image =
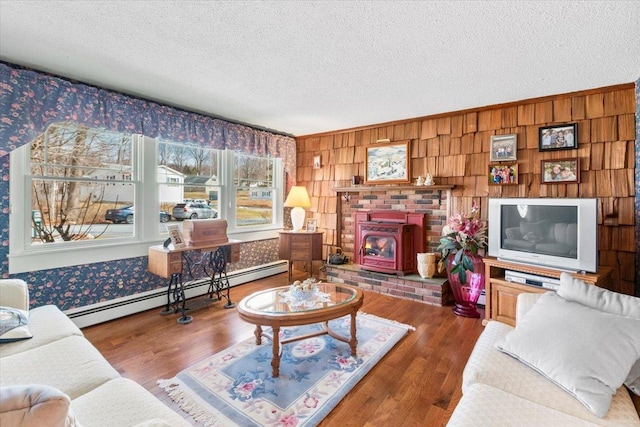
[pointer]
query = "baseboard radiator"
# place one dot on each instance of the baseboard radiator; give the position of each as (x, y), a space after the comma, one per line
(113, 309)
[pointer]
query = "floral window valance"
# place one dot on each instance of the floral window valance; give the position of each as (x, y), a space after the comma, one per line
(30, 101)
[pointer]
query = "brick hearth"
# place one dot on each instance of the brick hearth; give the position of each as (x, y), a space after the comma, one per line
(433, 291)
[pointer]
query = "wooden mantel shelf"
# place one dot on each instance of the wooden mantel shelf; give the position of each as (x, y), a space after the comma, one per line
(379, 188)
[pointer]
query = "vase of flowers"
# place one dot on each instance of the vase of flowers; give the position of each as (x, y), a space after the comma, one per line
(462, 238)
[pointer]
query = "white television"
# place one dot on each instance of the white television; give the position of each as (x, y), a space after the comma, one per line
(555, 233)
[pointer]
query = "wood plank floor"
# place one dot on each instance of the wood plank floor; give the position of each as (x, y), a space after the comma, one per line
(415, 384)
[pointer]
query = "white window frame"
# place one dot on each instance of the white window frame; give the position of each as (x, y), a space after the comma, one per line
(24, 257)
(229, 191)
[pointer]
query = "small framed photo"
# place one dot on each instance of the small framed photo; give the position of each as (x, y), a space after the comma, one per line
(560, 171)
(503, 174)
(503, 148)
(312, 225)
(316, 162)
(558, 137)
(176, 236)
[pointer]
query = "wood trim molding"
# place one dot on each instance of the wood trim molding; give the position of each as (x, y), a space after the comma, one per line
(383, 188)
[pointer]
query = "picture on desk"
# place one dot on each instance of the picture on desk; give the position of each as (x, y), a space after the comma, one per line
(312, 225)
(176, 236)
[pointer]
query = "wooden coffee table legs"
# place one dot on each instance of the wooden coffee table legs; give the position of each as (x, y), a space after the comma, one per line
(275, 340)
(275, 360)
(275, 344)
(352, 341)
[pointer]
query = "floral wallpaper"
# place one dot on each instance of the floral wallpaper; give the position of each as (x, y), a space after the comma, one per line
(30, 101)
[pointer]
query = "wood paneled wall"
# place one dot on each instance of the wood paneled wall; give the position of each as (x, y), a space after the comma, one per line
(454, 148)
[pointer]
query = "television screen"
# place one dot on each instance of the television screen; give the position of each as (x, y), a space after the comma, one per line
(548, 230)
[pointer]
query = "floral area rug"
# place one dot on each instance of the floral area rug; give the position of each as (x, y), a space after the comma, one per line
(235, 387)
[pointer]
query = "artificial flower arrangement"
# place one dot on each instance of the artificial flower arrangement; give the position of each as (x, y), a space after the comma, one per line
(463, 235)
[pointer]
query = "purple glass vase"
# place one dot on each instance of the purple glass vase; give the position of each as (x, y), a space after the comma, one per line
(467, 294)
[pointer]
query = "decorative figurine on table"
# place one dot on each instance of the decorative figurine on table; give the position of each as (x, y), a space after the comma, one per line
(420, 181)
(428, 179)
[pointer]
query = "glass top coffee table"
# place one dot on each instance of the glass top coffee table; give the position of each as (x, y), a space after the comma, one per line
(276, 308)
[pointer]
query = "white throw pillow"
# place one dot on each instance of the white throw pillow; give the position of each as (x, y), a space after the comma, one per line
(14, 325)
(587, 352)
(577, 290)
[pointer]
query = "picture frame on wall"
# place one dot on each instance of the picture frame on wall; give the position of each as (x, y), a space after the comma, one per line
(316, 162)
(176, 236)
(503, 148)
(558, 137)
(388, 163)
(560, 171)
(503, 174)
(312, 225)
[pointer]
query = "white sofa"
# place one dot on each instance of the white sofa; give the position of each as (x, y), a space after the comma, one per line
(58, 378)
(501, 390)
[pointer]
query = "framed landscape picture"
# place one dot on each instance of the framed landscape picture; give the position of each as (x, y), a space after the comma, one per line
(560, 171)
(503, 148)
(558, 137)
(388, 163)
(503, 174)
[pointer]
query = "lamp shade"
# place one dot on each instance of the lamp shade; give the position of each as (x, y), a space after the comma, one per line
(297, 199)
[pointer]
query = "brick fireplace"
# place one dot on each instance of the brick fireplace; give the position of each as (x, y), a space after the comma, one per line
(430, 202)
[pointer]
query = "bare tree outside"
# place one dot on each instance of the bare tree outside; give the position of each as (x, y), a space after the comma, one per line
(74, 171)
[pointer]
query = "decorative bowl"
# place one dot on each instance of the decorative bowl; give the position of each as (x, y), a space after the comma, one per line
(303, 291)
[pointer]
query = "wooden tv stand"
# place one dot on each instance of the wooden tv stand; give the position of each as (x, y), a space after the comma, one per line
(501, 295)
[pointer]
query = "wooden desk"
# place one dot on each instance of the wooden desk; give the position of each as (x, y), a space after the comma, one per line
(170, 262)
(300, 246)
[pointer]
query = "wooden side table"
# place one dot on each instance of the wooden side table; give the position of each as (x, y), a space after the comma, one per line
(300, 246)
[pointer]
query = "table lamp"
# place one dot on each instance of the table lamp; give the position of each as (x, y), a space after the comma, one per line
(297, 199)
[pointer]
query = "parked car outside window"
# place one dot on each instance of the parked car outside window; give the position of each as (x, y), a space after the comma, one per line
(125, 214)
(193, 210)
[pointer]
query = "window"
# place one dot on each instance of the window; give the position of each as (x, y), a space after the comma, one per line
(255, 189)
(188, 174)
(82, 195)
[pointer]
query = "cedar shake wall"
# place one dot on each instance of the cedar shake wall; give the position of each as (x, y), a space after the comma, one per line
(454, 148)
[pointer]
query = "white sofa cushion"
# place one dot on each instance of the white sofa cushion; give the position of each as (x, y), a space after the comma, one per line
(489, 366)
(14, 325)
(573, 289)
(14, 293)
(35, 405)
(122, 402)
(524, 303)
(556, 337)
(47, 324)
(71, 364)
(486, 406)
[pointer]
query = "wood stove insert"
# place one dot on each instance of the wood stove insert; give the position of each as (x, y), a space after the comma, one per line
(387, 241)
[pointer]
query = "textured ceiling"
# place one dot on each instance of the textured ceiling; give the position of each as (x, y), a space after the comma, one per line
(306, 67)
